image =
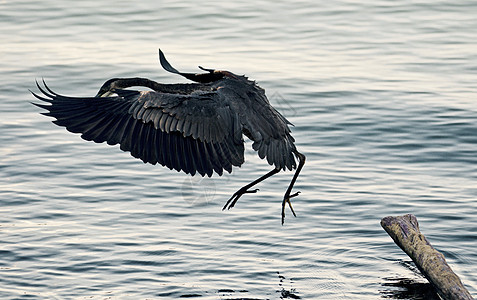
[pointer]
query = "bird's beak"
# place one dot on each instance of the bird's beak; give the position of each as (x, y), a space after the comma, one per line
(104, 94)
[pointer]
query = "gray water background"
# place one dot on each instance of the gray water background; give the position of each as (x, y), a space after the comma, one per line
(383, 98)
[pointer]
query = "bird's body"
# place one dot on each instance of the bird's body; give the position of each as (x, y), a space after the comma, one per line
(194, 128)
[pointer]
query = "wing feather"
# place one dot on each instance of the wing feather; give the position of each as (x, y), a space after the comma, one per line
(160, 148)
(188, 152)
(180, 125)
(173, 125)
(100, 130)
(167, 124)
(117, 131)
(151, 130)
(204, 116)
(263, 124)
(217, 165)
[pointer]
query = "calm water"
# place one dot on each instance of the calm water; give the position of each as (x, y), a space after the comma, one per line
(383, 98)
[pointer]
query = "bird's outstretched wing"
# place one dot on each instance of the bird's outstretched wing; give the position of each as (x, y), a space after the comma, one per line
(194, 133)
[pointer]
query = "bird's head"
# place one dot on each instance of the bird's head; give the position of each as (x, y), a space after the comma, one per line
(107, 89)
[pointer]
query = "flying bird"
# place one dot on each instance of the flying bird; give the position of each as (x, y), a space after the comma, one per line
(191, 127)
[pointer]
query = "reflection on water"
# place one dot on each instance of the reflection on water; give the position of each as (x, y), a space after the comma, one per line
(285, 291)
(405, 288)
(416, 288)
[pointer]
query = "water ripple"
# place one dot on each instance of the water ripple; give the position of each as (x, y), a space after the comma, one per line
(382, 95)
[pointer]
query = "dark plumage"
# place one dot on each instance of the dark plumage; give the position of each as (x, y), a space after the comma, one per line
(194, 128)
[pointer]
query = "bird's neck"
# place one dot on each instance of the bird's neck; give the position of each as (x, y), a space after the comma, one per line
(179, 88)
(123, 83)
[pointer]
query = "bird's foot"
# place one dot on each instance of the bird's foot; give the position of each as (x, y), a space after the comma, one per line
(231, 202)
(286, 199)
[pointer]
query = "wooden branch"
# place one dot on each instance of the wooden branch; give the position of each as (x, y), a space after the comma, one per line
(404, 230)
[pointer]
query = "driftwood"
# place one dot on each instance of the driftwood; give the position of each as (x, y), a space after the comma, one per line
(404, 230)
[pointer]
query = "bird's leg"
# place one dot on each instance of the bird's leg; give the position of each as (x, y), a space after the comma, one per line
(245, 189)
(287, 197)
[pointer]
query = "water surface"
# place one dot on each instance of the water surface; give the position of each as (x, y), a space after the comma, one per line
(383, 98)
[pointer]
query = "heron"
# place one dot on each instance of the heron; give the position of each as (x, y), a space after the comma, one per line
(196, 128)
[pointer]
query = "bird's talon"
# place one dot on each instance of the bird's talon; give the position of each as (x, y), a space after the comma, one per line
(294, 195)
(231, 202)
